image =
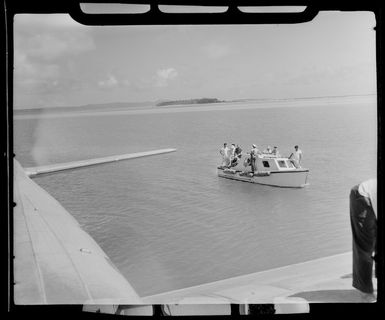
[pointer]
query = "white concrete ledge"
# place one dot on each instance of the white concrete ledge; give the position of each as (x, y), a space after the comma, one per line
(34, 171)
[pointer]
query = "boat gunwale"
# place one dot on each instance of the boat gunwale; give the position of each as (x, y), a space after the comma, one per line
(273, 171)
(250, 180)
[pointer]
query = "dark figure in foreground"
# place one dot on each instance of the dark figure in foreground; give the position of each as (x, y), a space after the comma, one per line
(363, 217)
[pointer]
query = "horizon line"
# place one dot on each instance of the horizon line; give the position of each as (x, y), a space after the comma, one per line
(19, 108)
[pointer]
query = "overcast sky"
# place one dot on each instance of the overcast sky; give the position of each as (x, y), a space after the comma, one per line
(59, 62)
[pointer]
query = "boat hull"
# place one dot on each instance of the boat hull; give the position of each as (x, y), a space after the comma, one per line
(285, 179)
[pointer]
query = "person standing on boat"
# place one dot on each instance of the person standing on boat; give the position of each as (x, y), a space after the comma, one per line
(253, 157)
(268, 150)
(275, 151)
(296, 157)
(233, 156)
(232, 152)
(363, 218)
(225, 155)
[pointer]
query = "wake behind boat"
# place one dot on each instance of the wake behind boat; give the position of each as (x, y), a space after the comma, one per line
(271, 170)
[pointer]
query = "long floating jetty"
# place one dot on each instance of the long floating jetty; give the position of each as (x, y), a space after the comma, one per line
(34, 171)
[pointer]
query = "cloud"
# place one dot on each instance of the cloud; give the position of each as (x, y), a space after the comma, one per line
(33, 77)
(48, 46)
(49, 37)
(110, 82)
(163, 76)
(167, 74)
(44, 48)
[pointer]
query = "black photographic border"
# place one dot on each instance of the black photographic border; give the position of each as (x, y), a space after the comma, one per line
(155, 17)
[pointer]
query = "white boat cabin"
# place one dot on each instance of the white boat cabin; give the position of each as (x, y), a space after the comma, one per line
(267, 162)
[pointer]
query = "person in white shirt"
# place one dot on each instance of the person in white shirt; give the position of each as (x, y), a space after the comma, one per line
(363, 218)
(267, 150)
(296, 157)
(225, 153)
(275, 151)
(232, 152)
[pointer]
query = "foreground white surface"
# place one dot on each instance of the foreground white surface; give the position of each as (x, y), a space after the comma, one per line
(321, 280)
(56, 262)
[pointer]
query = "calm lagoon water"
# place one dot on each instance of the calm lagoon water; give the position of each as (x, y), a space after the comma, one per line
(168, 221)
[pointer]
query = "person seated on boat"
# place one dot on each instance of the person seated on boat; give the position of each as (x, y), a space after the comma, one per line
(267, 150)
(225, 155)
(275, 151)
(296, 157)
(238, 151)
(247, 162)
(234, 162)
(237, 156)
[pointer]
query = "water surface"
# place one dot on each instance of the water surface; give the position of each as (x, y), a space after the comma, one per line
(168, 221)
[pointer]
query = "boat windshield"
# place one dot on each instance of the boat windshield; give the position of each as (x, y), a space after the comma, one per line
(290, 164)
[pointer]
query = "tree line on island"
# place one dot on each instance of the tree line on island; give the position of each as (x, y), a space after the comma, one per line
(188, 101)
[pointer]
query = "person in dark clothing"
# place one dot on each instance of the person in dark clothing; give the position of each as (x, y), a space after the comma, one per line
(253, 157)
(238, 151)
(363, 218)
(237, 156)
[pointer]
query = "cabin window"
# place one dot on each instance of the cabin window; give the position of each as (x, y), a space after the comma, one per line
(282, 164)
(266, 164)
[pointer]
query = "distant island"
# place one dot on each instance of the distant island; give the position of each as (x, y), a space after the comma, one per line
(148, 105)
(188, 101)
